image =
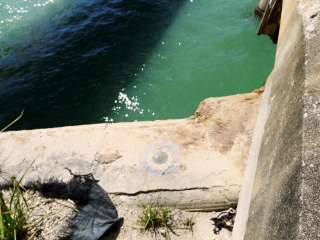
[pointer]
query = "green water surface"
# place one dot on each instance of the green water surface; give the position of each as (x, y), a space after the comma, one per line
(210, 50)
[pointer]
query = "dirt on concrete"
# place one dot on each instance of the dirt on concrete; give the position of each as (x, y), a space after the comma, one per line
(185, 225)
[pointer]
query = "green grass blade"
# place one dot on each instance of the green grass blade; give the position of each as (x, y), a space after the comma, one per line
(38, 220)
(26, 172)
(13, 121)
(1, 218)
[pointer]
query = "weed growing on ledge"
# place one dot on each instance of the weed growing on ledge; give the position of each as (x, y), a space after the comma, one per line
(189, 223)
(14, 223)
(155, 217)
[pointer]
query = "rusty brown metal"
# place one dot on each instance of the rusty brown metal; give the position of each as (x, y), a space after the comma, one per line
(270, 22)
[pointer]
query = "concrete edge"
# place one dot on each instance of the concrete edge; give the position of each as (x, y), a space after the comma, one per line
(249, 176)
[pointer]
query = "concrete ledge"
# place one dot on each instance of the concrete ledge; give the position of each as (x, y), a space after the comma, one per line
(196, 163)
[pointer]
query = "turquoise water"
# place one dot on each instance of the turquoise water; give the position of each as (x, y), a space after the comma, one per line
(210, 50)
(72, 62)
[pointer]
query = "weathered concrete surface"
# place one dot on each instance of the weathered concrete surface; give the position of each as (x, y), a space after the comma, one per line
(249, 176)
(309, 227)
(285, 196)
(202, 228)
(196, 163)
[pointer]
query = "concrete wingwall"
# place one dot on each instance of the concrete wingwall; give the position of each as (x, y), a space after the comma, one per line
(280, 195)
(195, 164)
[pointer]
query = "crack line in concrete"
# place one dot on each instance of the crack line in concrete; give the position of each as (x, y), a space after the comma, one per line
(159, 190)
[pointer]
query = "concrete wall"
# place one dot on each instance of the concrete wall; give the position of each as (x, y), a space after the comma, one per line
(283, 200)
(196, 163)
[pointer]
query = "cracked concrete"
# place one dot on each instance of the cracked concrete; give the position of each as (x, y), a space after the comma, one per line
(195, 164)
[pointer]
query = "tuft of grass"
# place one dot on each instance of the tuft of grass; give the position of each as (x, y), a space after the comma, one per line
(189, 223)
(14, 223)
(155, 217)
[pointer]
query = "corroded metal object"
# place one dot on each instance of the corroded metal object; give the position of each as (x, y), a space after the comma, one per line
(224, 220)
(270, 23)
